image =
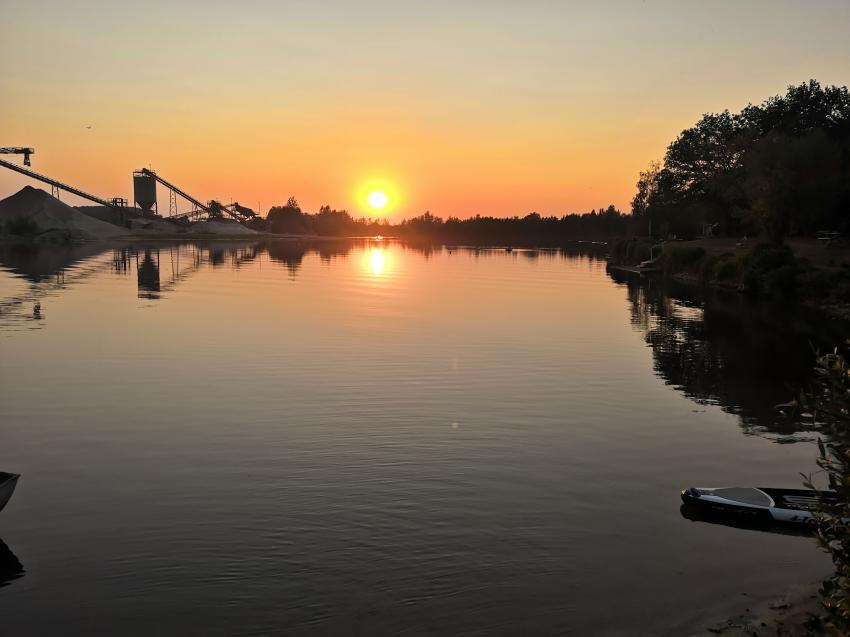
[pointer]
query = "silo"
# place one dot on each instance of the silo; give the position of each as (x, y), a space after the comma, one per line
(144, 191)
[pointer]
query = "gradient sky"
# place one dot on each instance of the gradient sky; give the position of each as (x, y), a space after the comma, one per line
(455, 107)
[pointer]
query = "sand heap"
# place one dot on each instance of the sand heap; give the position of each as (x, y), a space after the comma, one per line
(48, 213)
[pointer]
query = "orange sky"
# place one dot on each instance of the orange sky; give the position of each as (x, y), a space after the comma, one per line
(492, 108)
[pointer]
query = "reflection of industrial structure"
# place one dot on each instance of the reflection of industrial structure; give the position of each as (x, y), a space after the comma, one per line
(144, 193)
(159, 270)
(148, 275)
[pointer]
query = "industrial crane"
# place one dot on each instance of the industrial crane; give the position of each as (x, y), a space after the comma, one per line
(213, 208)
(56, 186)
(18, 150)
(246, 214)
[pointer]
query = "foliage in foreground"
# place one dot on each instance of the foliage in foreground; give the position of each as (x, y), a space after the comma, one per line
(829, 405)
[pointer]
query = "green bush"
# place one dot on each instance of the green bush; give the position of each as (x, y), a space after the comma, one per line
(706, 268)
(681, 258)
(841, 291)
(770, 271)
(631, 251)
(781, 283)
(814, 283)
(640, 252)
(770, 256)
(727, 268)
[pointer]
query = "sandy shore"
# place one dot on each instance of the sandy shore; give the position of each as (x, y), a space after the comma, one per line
(792, 614)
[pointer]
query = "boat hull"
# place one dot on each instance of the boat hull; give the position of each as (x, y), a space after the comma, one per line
(8, 482)
(759, 505)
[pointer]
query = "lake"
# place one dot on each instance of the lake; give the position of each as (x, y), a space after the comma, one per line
(372, 438)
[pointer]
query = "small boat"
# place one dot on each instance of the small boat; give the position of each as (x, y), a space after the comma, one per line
(760, 505)
(8, 482)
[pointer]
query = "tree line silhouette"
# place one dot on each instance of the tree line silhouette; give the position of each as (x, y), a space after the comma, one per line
(782, 166)
(530, 229)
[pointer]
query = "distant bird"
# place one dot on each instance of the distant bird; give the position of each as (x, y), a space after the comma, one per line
(88, 127)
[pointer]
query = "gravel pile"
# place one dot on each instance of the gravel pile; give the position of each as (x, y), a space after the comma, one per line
(48, 213)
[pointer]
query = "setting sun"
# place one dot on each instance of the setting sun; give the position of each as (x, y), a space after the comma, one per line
(378, 199)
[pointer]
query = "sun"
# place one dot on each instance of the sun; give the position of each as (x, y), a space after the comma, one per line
(378, 199)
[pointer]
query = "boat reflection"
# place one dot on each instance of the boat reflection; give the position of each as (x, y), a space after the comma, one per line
(10, 566)
(697, 514)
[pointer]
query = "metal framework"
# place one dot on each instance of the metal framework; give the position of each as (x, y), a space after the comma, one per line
(213, 208)
(18, 150)
(56, 186)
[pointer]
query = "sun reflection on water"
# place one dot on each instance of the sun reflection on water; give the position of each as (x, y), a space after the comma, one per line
(377, 260)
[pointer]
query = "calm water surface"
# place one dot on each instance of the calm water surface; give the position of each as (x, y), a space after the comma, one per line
(374, 439)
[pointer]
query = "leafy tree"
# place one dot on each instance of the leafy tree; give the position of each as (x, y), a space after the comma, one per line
(331, 223)
(287, 219)
(794, 182)
(647, 186)
(784, 163)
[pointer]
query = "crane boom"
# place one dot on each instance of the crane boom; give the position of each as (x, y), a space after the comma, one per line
(18, 150)
(59, 184)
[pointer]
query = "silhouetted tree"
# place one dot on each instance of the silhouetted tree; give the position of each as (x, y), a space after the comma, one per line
(287, 219)
(793, 182)
(730, 167)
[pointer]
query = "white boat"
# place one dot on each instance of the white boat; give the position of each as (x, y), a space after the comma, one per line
(8, 482)
(791, 506)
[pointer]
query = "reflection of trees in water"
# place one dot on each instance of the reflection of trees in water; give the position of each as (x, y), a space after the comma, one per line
(719, 348)
(291, 253)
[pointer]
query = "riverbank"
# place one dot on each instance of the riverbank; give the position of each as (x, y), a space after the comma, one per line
(802, 270)
(794, 613)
